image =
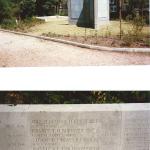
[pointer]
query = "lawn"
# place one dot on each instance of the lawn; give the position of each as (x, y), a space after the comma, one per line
(106, 35)
(62, 27)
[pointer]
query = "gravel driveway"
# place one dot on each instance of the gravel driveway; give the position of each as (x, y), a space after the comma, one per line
(23, 51)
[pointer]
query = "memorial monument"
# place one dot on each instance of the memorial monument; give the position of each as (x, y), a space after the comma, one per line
(75, 127)
(88, 13)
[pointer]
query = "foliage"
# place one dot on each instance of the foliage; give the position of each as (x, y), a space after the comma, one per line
(147, 41)
(135, 33)
(22, 26)
(107, 32)
(47, 7)
(138, 7)
(27, 9)
(9, 24)
(26, 24)
(89, 97)
(5, 11)
(138, 3)
(23, 9)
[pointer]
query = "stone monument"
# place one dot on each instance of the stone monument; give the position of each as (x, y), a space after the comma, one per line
(88, 13)
(75, 127)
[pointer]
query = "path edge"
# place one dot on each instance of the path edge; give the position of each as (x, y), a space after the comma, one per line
(93, 47)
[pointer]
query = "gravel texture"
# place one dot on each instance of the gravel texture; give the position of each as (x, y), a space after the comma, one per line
(23, 51)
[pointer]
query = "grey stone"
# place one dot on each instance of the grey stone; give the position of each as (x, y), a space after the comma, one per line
(88, 13)
(75, 127)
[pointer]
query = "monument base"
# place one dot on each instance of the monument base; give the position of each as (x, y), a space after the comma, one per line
(75, 127)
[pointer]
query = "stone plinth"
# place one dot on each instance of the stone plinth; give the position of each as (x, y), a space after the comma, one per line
(75, 127)
(88, 13)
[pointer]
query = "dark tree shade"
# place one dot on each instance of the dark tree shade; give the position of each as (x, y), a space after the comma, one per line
(27, 8)
(5, 11)
(88, 97)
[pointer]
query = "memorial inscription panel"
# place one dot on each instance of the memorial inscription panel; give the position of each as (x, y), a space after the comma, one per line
(93, 127)
(75, 131)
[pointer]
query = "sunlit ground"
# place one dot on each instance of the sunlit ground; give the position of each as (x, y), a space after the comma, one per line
(59, 26)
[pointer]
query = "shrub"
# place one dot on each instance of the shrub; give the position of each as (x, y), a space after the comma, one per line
(107, 32)
(63, 13)
(8, 24)
(147, 42)
(137, 23)
(23, 25)
(134, 34)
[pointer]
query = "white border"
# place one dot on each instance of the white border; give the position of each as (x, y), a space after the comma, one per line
(121, 78)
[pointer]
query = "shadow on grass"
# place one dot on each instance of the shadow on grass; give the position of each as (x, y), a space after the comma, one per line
(65, 24)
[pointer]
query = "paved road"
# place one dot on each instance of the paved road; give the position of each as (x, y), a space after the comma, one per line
(23, 51)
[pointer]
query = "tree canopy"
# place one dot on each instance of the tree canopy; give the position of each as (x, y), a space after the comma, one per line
(28, 8)
(5, 10)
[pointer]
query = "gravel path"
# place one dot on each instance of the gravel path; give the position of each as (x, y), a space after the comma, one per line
(23, 51)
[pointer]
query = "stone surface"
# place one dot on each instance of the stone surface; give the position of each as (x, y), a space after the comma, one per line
(75, 127)
(102, 15)
(76, 7)
(88, 13)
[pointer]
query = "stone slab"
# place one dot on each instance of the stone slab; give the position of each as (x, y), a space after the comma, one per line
(52, 18)
(102, 13)
(102, 6)
(75, 127)
(76, 7)
(94, 11)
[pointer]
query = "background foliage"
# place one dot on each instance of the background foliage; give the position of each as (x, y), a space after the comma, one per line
(22, 9)
(88, 97)
(5, 11)
(27, 8)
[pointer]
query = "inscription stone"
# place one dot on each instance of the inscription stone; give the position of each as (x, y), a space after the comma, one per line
(75, 127)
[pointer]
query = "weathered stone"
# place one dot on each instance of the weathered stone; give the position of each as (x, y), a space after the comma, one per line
(75, 127)
(88, 13)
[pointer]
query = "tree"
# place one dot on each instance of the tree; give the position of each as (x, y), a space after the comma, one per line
(140, 4)
(27, 8)
(48, 7)
(5, 11)
(15, 8)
